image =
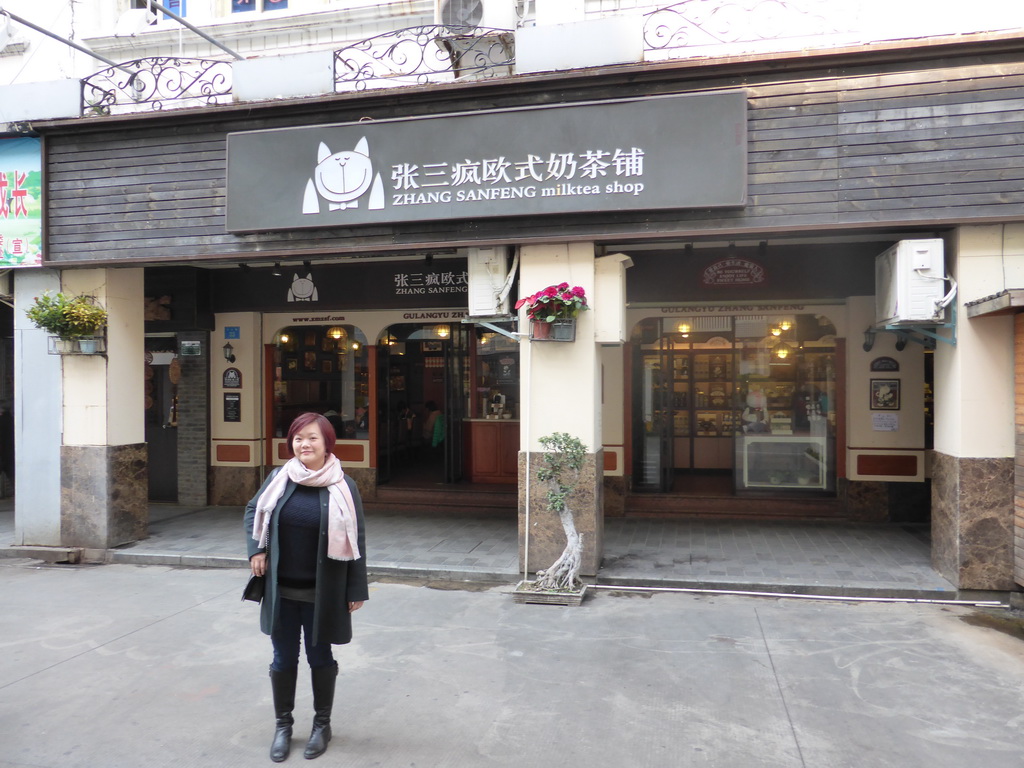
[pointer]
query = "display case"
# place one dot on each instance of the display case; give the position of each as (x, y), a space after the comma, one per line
(782, 461)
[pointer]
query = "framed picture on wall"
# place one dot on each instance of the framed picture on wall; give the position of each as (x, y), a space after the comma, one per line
(326, 366)
(431, 346)
(292, 363)
(885, 394)
(309, 361)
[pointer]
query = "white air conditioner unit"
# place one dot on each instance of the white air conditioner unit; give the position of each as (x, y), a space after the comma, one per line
(489, 14)
(910, 282)
(487, 273)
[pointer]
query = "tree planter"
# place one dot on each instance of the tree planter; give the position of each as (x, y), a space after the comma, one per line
(525, 592)
(556, 330)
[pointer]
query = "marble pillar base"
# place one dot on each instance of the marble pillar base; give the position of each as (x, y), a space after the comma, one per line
(615, 492)
(864, 501)
(972, 521)
(547, 537)
(366, 481)
(870, 501)
(233, 486)
(104, 495)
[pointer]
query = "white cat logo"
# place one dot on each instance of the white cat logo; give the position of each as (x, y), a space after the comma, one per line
(303, 289)
(341, 178)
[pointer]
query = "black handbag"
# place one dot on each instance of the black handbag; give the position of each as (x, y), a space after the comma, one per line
(254, 589)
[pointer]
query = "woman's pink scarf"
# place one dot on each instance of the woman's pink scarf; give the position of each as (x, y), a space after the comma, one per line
(342, 527)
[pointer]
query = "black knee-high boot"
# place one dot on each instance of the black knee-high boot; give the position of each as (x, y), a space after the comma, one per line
(283, 686)
(324, 679)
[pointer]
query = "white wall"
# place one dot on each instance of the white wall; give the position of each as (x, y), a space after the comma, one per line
(561, 380)
(37, 418)
(865, 436)
(859, 430)
(974, 397)
(248, 352)
(106, 403)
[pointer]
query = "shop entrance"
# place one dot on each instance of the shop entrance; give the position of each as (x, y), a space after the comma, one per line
(421, 403)
(448, 404)
(734, 405)
(162, 372)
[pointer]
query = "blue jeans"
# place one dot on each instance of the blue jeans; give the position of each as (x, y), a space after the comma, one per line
(295, 619)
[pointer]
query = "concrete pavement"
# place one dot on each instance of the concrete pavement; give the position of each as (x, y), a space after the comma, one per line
(775, 556)
(120, 666)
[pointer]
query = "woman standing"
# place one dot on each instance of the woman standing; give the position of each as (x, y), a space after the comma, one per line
(305, 534)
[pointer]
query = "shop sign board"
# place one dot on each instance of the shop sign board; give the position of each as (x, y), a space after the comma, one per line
(885, 364)
(733, 271)
(443, 282)
(232, 406)
(660, 152)
(21, 203)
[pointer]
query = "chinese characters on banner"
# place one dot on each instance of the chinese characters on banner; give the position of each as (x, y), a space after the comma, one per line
(413, 283)
(20, 203)
(592, 164)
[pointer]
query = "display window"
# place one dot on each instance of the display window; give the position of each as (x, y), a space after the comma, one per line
(322, 369)
(748, 397)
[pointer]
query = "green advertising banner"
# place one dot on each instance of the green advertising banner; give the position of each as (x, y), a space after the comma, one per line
(21, 203)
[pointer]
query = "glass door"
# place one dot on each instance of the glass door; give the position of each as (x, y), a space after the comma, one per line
(653, 418)
(714, 420)
(388, 431)
(457, 390)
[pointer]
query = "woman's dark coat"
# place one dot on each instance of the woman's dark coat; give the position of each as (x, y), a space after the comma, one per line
(338, 582)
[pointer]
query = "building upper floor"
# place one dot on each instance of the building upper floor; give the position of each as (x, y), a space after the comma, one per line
(129, 56)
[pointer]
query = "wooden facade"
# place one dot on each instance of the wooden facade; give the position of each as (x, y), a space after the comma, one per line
(835, 143)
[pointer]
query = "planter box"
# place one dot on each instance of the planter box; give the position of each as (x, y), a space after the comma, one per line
(523, 594)
(95, 345)
(556, 330)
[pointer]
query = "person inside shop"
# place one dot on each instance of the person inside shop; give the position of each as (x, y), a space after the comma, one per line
(362, 421)
(433, 425)
(336, 421)
(404, 421)
(305, 536)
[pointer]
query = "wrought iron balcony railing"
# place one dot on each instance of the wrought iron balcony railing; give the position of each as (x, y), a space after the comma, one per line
(441, 53)
(713, 27)
(421, 55)
(156, 83)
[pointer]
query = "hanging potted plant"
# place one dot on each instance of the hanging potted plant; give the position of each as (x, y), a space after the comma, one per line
(553, 312)
(74, 320)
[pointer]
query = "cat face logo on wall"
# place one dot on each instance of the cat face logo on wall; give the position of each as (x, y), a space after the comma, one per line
(341, 178)
(303, 289)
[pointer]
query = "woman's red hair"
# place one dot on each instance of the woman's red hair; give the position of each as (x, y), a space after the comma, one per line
(304, 420)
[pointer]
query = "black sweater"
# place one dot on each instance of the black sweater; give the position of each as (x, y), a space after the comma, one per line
(299, 532)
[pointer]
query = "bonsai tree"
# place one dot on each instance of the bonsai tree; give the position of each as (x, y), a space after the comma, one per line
(67, 317)
(563, 461)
